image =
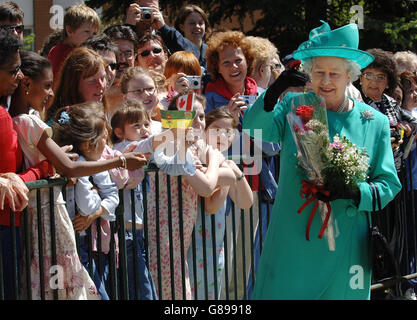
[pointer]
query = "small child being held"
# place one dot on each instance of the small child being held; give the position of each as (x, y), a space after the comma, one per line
(132, 128)
(131, 124)
(80, 23)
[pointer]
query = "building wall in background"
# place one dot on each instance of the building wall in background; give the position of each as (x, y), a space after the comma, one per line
(38, 15)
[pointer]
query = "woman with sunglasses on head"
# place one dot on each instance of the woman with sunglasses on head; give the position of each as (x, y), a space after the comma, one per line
(377, 84)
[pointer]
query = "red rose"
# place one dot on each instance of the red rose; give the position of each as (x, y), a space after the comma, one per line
(305, 112)
(295, 64)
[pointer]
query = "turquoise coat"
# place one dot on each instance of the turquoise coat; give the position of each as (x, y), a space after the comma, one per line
(292, 267)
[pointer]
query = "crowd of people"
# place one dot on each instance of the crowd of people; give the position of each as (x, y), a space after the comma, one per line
(89, 107)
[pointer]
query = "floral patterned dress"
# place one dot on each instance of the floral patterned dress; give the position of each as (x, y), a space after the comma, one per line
(68, 275)
(162, 264)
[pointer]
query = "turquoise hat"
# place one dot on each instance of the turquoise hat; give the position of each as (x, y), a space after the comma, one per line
(342, 42)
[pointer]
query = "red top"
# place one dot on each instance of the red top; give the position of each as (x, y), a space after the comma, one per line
(57, 56)
(11, 160)
(219, 86)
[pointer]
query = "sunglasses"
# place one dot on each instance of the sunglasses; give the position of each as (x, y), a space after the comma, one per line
(118, 65)
(13, 72)
(146, 53)
(19, 28)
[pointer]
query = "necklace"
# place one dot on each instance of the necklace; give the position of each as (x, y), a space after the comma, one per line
(343, 106)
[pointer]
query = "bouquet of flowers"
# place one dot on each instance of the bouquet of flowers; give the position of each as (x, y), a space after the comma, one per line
(332, 164)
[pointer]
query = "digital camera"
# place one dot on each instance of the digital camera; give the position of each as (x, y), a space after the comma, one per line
(396, 132)
(146, 13)
(249, 100)
(194, 81)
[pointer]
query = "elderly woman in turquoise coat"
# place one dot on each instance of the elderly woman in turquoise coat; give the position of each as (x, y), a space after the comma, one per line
(292, 267)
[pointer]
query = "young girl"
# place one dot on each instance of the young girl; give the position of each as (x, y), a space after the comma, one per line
(179, 65)
(220, 132)
(95, 195)
(34, 138)
(144, 85)
(202, 183)
(131, 123)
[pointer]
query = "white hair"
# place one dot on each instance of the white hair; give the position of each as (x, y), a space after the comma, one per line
(353, 69)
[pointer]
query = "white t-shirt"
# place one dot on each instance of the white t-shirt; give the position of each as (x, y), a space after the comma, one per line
(29, 129)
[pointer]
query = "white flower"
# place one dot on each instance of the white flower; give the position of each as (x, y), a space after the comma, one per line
(367, 114)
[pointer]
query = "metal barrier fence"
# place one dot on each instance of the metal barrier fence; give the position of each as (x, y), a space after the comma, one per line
(397, 222)
(206, 274)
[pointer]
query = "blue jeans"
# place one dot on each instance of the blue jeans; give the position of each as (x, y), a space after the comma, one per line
(100, 277)
(146, 288)
(7, 259)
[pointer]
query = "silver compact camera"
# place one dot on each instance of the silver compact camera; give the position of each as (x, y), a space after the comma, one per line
(249, 100)
(146, 13)
(194, 81)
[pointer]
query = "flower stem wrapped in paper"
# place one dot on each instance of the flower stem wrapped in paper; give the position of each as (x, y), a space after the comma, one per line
(335, 166)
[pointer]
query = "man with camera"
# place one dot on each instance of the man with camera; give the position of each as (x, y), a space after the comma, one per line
(143, 16)
(146, 17)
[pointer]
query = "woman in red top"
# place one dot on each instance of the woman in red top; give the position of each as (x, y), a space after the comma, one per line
(13, 191)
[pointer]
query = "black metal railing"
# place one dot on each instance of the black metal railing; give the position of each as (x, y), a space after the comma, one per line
(231, 278)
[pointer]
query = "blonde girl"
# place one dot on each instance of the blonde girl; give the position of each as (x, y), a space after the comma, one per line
(143, 85)
(221, 128)
(202, 183)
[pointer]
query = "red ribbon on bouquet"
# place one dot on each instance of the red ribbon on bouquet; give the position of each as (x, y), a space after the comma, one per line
(309, 192)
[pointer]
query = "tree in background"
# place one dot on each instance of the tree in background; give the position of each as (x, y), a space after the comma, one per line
(387, 24)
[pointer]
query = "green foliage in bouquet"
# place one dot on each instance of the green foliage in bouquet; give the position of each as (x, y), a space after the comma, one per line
(347, 166)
